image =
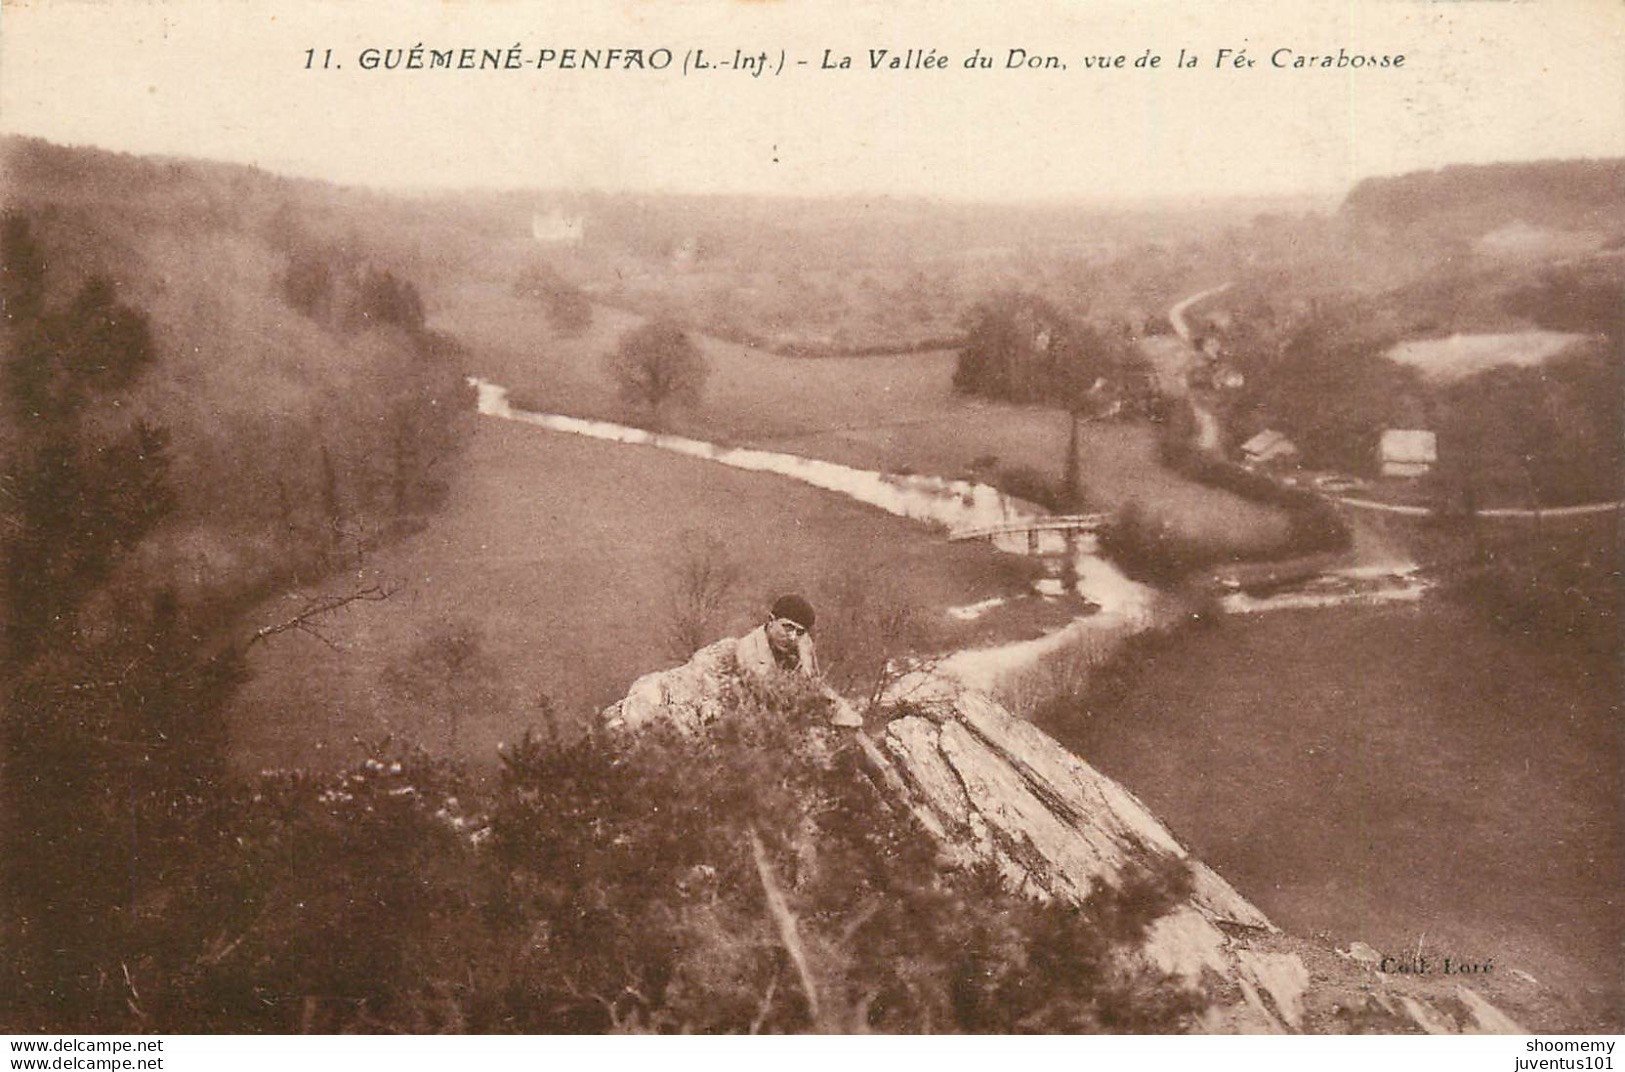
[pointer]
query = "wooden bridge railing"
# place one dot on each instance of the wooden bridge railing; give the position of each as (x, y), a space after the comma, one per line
(1033, 526)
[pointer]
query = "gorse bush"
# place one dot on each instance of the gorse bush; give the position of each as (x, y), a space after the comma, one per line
(750, 878)
(325, 903)
(648, 909)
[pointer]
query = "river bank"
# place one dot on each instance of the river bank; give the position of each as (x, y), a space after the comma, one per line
(888, 413)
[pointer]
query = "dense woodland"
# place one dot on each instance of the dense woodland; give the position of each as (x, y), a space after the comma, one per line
(200, 408)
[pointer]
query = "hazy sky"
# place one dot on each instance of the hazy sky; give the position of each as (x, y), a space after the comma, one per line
(1482, 80)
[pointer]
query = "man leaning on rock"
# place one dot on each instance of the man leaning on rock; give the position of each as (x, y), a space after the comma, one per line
(782, 644)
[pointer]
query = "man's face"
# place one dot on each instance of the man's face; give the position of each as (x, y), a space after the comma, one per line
(783, 634)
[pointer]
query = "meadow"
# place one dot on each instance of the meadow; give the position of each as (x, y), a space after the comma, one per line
(1410, 778)
(894, 413)
(548, 574)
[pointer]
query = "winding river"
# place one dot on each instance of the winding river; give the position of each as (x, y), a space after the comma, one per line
(1125, 606)
(1298, 836)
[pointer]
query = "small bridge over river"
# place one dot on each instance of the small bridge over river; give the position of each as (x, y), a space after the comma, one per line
(1035, 528)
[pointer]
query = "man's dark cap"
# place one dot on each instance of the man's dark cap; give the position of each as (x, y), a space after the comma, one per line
(796, 609)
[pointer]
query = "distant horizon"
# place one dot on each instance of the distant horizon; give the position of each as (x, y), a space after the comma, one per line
(427, 192)
(286, 86)
(1329, 200)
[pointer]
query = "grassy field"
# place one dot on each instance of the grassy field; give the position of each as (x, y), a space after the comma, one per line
(1398, 777)
(553, 561)
(547, 573)
(894, 413)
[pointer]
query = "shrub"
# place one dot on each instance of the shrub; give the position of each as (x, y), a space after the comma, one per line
(1056, 681)
(651, 883)
(1110, 682)
(868, 626)
(1150, 550)
(343, 903)
(658, 915)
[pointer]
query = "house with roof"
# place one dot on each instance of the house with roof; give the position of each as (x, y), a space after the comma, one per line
(1269, 447)
(1407, 452)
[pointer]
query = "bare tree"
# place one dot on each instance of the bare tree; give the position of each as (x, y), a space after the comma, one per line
(704, 576)
(308, 619)
(871, 635)
(656, 364)
(446, 675)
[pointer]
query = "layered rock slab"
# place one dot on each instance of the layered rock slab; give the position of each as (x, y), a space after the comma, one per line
(998, 791)
(995, 791)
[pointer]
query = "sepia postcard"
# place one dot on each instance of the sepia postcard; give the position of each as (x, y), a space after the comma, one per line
(744, 517)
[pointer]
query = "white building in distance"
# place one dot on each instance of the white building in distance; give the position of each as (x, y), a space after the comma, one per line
(557, 228)
(1407, 452)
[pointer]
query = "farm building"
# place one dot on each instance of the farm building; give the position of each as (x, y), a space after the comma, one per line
(1407, 452)
(1268, 447)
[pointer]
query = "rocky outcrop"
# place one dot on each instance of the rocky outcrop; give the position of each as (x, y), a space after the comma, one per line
(692, 695)
(996, 791)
